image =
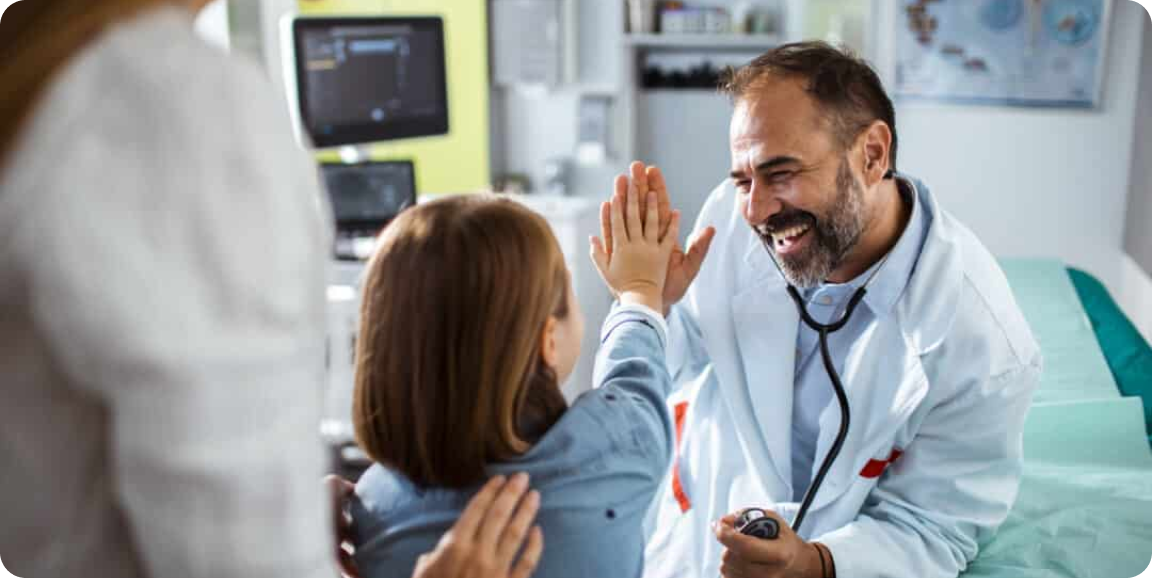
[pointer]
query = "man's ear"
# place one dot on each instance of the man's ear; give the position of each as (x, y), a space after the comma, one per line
(877, 141)
(549, 351)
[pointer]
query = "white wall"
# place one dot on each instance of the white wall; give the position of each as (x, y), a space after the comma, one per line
(1038, 182)
(532, 126)
(1138, 234)
(1135, 290)
(685, 133)
(1134, 295)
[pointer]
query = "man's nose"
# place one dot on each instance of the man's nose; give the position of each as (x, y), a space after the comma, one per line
(760, 204)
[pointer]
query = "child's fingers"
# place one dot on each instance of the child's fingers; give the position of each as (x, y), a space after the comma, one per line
(598, 254)
(639, 175)
(640, 183)
(619, 196)
(673, 234)
(606, 225)
(602, 260)
(632, 216)
(652, 220)
(657, 185)
(619, 233)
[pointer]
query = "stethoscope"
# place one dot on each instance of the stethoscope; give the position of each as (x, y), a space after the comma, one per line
(754, 521)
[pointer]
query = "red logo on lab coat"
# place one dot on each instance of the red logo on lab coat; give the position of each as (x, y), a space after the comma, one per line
(874, 468)
(681, 411)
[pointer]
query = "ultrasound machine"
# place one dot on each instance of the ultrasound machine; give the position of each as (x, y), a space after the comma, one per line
(353, 81)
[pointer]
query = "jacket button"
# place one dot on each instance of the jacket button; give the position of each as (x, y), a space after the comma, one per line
(610, 397)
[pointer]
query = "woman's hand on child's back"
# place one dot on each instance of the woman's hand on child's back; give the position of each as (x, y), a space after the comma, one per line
(485, 541)
(633, 256)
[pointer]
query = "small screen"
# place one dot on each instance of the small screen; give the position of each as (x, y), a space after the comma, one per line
(369, 194)
(368, 79)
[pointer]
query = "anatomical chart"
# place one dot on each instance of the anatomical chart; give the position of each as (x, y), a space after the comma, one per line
(1018, 52)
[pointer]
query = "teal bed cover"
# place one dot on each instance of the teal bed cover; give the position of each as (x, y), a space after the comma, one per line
(1085, 503)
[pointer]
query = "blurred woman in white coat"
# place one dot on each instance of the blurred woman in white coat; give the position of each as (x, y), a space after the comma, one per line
(162, 254)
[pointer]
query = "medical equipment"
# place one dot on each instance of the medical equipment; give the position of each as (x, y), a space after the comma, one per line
(365, 79)
(756, 523)
(823, 330)
(365, 197)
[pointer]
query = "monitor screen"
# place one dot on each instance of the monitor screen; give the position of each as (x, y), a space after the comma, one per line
(361, 80)
(368, 195)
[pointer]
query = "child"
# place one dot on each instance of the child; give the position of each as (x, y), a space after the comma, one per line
(468, 327)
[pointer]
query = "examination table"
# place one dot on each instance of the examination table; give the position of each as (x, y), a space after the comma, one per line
(1085, 503)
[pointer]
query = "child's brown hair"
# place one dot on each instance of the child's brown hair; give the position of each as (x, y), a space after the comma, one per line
(449, 374)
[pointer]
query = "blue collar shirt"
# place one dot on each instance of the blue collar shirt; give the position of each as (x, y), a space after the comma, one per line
(826, 303)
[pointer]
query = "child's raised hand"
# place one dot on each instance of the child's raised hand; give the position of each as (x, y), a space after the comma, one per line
(633, 257)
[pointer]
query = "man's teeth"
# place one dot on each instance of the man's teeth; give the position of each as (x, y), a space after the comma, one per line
(780, 236)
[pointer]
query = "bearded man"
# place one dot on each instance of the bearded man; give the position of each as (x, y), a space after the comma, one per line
(937, 363)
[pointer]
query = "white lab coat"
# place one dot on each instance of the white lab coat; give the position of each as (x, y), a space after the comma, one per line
(162, 263)
(945, 379)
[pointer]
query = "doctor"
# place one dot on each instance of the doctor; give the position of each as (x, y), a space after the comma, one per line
(938, 363)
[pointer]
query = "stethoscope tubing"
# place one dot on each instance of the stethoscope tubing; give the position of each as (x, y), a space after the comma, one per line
(823, 330)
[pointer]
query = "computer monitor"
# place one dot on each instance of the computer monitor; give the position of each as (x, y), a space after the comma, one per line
(366, 79)
(365, 197)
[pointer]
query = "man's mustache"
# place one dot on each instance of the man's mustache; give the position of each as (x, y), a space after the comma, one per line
(786, 220)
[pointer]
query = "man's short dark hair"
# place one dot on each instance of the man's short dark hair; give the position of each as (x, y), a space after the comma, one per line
(842, 84)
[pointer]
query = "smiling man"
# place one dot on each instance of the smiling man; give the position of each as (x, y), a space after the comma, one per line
(937, 361)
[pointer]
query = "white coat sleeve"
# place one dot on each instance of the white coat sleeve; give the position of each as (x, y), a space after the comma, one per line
(176, 263)
(949, 492)
(687, 357)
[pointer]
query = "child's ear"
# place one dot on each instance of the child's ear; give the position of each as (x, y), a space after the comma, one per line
(549, 352)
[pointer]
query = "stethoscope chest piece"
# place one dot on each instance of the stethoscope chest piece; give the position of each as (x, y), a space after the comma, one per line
(756, 523)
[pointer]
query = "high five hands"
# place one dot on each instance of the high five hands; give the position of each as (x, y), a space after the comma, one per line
(645, 184)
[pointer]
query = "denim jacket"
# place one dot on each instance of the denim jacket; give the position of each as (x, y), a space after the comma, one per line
(597, 470)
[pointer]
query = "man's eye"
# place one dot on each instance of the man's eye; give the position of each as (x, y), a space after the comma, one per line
(778, 177)
(743, 185)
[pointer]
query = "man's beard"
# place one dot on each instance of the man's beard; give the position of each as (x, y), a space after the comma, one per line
(834, 234)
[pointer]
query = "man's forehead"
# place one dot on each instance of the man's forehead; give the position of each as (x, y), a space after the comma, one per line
(777, 118)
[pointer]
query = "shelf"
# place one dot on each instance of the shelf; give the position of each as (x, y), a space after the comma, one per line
(577, 88)
(703, 41)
